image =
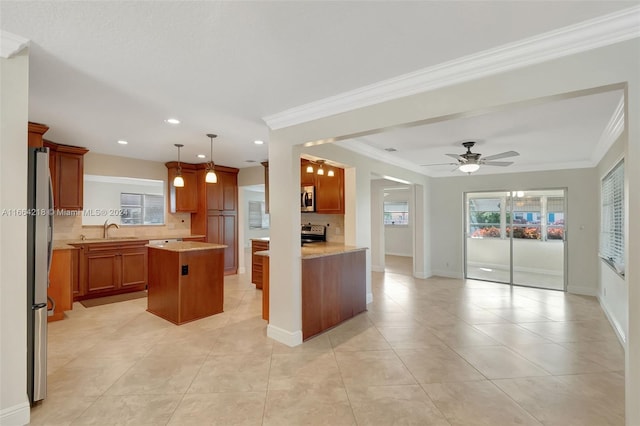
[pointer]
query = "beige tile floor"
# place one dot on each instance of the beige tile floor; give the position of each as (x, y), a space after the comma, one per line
(427, 352)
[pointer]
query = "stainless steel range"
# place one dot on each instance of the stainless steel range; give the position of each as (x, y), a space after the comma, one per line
(313, 233)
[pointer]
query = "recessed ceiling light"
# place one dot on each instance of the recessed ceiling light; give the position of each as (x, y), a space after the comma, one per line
(202, 156)
(172, 121)
(249, 161)
(390, 149)
(258, 142)
(122, 142)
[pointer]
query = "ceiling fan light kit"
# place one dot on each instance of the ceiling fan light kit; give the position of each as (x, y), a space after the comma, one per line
(470, 162)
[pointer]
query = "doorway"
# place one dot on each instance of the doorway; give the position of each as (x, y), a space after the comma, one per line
(517, 237)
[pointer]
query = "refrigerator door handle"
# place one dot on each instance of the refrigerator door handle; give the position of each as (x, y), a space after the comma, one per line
(50, 230)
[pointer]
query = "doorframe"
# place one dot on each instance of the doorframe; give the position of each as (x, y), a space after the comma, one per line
(565, 265)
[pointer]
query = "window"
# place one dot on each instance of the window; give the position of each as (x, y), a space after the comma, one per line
(396, 213)
(526, 217)
(612, 218)
(257, 217)
(484, 217)
(141, 209)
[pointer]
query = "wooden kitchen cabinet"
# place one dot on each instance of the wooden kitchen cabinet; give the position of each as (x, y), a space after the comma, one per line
(217, 213)
(112, 268)
(66, 165)
(62, 280)
(186, 282)
(183, 199)
(333, 290)
(36, 131)
(330, 192)
(257, 273)
(307, 179)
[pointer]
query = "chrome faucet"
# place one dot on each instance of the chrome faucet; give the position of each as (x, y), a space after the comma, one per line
(107, 225)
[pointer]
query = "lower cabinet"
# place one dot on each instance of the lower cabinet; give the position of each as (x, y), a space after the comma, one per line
(257, 270)
(112, 268)
(333, 290)
(62, 281)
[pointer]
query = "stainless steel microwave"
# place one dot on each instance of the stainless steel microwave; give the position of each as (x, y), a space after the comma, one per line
(308, 199)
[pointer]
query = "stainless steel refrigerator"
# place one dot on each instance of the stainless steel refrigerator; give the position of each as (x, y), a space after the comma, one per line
(39, 252)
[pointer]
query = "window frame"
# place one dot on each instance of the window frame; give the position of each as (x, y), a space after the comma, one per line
(612, 218)
(143, 207)
(405, 212)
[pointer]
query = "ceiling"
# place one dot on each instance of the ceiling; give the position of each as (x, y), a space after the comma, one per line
(106, 71)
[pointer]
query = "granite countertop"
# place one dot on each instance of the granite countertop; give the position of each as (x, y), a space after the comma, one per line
(309, 251)
(181, 246)
(312, 250)
(260, 239)
(67, 244)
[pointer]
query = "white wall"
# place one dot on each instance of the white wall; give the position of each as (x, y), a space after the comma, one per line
(447, 222)
(612, 289)
(546, 257)
(14, 95)
(397, 238)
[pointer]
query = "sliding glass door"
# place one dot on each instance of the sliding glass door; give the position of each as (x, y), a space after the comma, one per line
(516, 237)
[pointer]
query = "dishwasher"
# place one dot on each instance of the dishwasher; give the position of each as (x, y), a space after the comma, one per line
(160, 242)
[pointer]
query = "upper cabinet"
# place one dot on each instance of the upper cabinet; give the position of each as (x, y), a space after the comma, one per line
(66, 164)
(184, 199)
(36, 131)
(329, 190)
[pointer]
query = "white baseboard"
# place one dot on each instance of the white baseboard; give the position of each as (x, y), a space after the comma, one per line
(421, 275)
(622, 338)
(369, 298)
(583, 290)
(377, 268)
(399, 254)
(242, 270)
(446, 273)
(17, 415)
(283, 336)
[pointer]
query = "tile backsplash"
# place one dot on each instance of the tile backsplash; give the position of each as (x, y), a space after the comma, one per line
(334, 223)
(71, 228)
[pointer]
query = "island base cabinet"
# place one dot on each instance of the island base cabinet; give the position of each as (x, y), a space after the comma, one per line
(185, 286)
(333, 290)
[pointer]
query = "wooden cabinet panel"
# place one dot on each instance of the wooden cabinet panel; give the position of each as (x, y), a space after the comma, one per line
(222, 229)
(134, 267)
(330, 193)
(217, 213)
(333, 290)
(36, 131)
(66, 165)
(329, 190)
(111, 268)
(257, 276)
(181, 298)
(70, 176)
(306, 179)
(184, 199)
(61, 278)
(102, 272)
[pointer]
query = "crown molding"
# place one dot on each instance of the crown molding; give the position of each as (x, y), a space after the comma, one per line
(597, 32)
(610, 134)
(11, 44)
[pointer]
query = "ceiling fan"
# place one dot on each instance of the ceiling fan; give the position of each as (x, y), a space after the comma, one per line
(470, 162)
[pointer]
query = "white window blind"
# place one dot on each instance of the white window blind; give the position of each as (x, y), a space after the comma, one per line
(612, 217)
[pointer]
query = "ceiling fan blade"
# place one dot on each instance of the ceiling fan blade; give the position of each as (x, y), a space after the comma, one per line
(457, 157)
(439, 164)
(497, 163)
(501, 155)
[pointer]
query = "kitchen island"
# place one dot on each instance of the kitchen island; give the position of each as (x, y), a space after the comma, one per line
(186, 280)
(333, 285)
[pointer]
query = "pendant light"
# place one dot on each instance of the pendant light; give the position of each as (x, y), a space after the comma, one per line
(330, 173)
(211, 176)
(178, 181)
(309, 168)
